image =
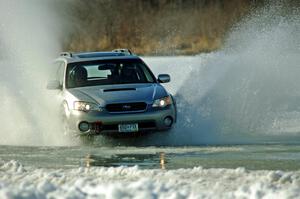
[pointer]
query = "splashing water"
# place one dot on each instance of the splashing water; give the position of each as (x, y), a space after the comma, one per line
(29, 38)
(249, 91)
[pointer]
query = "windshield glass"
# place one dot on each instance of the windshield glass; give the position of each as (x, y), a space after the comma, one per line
(106, 72)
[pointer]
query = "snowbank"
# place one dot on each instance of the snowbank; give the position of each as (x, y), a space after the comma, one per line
(17, 181)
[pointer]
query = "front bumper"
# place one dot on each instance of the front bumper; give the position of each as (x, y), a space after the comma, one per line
(107, 123)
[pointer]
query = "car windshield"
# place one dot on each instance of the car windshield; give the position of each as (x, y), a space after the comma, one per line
(106, 72)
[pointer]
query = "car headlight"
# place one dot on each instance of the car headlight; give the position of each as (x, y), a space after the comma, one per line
(162, 102)
(86, 106)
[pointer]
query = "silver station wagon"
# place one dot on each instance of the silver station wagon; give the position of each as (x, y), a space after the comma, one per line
(111, 93)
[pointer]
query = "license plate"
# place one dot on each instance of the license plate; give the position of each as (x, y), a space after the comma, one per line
(126, 128)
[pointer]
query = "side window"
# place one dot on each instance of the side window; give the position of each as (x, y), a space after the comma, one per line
(146, 73)
(60, 72)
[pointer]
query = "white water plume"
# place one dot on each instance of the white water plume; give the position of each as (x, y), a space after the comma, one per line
(29, 38)
(249, 91)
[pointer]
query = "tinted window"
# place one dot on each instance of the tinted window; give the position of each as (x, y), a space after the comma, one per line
(60, 73)
(57, 72)
(107, 72)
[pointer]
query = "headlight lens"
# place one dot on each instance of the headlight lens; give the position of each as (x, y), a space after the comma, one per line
(162, 102)
(86, 106)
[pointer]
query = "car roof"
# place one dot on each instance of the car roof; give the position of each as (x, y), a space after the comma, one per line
(93, 56)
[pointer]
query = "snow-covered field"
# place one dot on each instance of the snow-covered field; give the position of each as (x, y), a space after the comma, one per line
(253, 171)
(19, 181)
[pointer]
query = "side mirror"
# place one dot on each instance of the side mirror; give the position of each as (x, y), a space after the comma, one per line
(164, 78)
(54, 85)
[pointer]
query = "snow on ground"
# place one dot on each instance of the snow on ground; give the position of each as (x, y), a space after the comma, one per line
(17, 181)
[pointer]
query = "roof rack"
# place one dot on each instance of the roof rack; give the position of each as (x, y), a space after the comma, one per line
(66, 54)
(125, 51)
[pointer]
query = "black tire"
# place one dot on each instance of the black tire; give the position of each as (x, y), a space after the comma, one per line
(175, 106)
(66, 127)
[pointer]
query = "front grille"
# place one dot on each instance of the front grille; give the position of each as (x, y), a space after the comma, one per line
(126, 107)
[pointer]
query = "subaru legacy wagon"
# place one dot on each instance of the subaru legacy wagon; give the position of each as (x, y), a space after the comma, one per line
(111, 93)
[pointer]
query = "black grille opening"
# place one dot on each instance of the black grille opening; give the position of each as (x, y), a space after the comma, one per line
(126, 107)
(147, 124)
(142, 125)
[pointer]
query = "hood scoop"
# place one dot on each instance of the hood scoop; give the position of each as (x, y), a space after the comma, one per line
(119, 89)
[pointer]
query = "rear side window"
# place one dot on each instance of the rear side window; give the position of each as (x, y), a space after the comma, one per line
(60, 73)
(57, 72)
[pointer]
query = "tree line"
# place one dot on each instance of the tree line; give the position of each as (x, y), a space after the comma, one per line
(153, 27)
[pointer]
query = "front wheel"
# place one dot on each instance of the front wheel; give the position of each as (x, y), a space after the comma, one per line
(65, 124)
(175, 107)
